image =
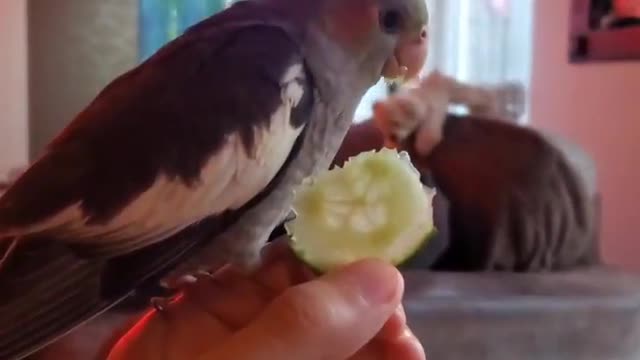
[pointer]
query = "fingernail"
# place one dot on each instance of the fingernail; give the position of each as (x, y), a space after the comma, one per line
(377, 282)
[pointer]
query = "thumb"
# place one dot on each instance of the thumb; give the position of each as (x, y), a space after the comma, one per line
(331, 317)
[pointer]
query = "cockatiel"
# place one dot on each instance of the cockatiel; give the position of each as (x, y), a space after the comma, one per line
(191, 158)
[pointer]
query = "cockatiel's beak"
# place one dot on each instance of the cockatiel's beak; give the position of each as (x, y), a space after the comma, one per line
(408, 58)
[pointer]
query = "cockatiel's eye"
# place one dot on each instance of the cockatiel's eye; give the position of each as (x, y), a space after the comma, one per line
(391, 21)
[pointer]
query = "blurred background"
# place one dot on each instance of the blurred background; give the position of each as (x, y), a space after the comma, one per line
(55, 56)
(77, 46)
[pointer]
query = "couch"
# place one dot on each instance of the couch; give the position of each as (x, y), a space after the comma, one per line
(586, 313)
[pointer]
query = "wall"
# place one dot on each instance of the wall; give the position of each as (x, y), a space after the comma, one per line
(13, 85)
(597, 105)
(76, 48)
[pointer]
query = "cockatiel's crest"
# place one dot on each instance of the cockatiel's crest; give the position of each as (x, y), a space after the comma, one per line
(190, 157)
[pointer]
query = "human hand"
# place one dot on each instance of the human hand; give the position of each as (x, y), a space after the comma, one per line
(418, 109)
(281, 311)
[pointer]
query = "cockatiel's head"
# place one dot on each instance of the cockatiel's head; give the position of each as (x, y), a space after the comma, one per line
(390, 35)
(386, 38)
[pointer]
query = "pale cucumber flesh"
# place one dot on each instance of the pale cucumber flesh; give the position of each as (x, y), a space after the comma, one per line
(373, 207)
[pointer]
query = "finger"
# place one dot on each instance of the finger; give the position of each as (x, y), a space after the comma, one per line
(275, 251)
(345, 309)
(170, 334)
(142, 339)
(383, 122)
(185, 323)
(282, 269)
(412, 107)
(229, 296)
(430, 133)
(395, 326)
(375, 350)
(389, 122)
(406, 347)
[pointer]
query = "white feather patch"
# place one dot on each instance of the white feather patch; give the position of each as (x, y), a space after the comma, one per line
(230, 179)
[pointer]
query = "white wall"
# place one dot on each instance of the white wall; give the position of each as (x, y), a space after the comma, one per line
(597, 105)
(13, 85)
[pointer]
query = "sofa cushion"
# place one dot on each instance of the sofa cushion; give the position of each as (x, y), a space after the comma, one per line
(583, 315)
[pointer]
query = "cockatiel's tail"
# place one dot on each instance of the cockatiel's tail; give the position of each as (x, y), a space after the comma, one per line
(191, 155)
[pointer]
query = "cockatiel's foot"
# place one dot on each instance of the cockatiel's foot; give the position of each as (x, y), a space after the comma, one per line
(160, 304)
(186, 279)
(419, 108)
(211, 259)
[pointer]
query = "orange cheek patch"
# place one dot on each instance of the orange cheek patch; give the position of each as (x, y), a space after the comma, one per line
(413, 56)
(352, 22)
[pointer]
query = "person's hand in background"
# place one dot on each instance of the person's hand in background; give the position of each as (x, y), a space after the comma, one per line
(283, 312)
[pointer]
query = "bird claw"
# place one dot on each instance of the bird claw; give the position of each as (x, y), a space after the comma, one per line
(215, 258)
(160, 304)
(175, 282)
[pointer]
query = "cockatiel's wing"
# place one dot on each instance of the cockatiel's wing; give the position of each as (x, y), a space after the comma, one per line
(199, 129)
(189, 137)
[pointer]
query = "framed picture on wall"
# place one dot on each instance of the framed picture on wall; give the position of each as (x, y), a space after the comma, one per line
(604, 30)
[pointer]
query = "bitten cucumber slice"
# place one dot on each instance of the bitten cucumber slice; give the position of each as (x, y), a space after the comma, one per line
(373, 207)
